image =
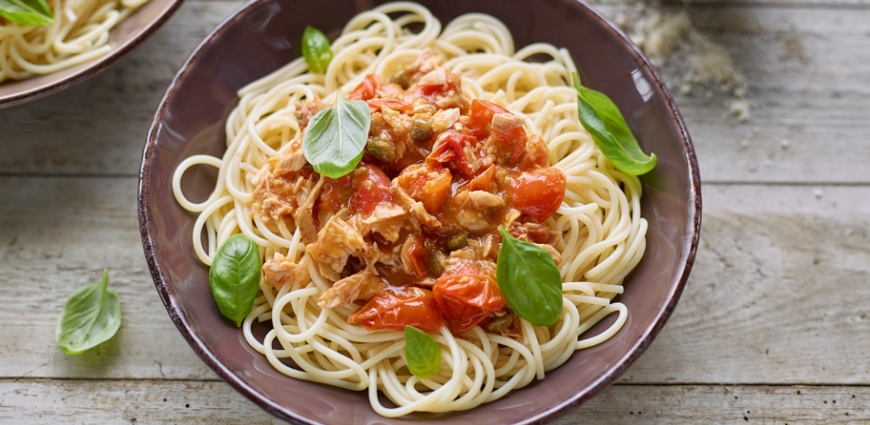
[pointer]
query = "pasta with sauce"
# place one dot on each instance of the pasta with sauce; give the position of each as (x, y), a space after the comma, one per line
(79, 33)
(466, 135)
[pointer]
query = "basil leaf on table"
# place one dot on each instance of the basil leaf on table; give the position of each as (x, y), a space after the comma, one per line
(336, 136)
(600, 116)
(529, 280)
(315, 49)
(91, 315)
(422, 352)
(234, 277)
(34, 13)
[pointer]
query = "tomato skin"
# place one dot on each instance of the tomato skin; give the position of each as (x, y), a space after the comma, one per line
(507, 148)
(393, 308)
(376, 105)
(451, 149)
(335, 194)
(367, 89)
(372, 188)
(427, 183)
(538, 193)
(418, 253)
(467, 295)
(481, 116)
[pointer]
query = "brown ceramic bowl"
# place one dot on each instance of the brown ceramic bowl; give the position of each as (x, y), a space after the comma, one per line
(123, 39)
(261, 37)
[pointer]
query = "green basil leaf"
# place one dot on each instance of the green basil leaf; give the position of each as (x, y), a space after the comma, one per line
(529, 280)
(600, 116)
(91, 315)
(336, 136)
(234, 277)
(422, 352)
(34, 13)
(315, 49)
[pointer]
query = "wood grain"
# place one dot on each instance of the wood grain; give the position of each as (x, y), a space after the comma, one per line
(771, 298)
(808, 72)
(771, 328)
(173, 402)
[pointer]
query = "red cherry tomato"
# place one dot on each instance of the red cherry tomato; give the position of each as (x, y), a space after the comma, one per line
(537, 153)
(372, 188)
(335, 194)
(376, 105)
(393, 308)
(455, 149)
(426, 183)
(481, 116)
(508, 147)
(367, 89)
(467, 294)
(538, 193)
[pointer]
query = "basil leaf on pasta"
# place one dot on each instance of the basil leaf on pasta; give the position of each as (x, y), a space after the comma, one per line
(600, 116)
(234, 277)
(529, 280)
(336, 136)
(422, 353)
(34, 13)
(91, 315)
(315, 50)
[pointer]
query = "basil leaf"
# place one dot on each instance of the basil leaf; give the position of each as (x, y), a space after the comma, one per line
(34, 13)
(600, 116)
(234, 277)
(422, 352)
(336, 136)
(529, 280)
(315, 49)
(91, 315)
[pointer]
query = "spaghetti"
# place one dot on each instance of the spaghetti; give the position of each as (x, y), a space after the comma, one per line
(601, 234)
(79, 33)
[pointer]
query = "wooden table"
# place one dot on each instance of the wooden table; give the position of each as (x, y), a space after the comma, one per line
(773, 326)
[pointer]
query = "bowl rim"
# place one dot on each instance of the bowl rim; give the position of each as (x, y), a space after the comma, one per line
(176, 313)
(94, 66)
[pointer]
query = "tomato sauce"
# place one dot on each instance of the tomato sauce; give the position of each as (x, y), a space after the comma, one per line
(459, 169)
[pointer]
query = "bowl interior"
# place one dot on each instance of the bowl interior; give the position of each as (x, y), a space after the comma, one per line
(122, 39)
(262, 37)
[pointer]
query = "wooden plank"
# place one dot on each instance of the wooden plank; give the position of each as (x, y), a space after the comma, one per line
(99, 127)
(171, 402)
(808, 72)
(57, 234)
(771, 298)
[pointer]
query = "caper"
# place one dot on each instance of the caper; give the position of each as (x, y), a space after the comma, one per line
(402, 80)
(456, 241)
(500, 323)
(421, 130)
(382, 150)
(434, 262)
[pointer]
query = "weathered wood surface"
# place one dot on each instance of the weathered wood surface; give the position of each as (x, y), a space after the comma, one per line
(771, 328)
(173, 402)
(808, 70)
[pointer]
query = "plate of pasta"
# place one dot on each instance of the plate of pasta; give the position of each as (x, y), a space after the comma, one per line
(49, 45)
(458, 211)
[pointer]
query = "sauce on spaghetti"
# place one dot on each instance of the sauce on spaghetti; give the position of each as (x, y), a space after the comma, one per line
(412, 231)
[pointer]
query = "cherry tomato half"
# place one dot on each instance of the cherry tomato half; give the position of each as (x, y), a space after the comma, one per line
(467, 295)
(426, 183)
(367, 89)
(372, 188)
(393, 308)
(538, 193)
